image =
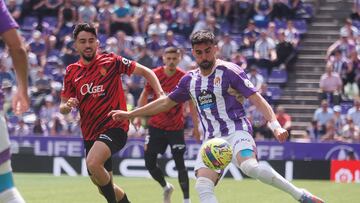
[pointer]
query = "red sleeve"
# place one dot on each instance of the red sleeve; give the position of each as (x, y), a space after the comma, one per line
(68, 90)
(125, 65)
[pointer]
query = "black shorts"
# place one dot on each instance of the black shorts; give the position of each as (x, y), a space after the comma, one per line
(158, 140)
(114, 138)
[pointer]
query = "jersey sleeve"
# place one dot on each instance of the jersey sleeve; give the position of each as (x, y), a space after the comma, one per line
(6, 22)
(240, 82)
(125, 65)
(181, 93)
(68, 90)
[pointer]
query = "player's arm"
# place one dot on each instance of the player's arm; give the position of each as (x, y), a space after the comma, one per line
(143, 99)
(160, 105)
(195, 119)
(18, 54)
(150, 77)
(263, 106)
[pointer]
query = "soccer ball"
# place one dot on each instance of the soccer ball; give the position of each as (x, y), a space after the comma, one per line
(216, 153)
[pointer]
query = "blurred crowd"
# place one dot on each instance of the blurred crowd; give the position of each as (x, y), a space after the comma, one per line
(338, 117)
(261, 36)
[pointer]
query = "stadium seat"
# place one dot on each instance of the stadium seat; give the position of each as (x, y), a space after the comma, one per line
(29, 23)
(301, 26)
(278, 76)
(52, 21)
(309, 9)
(280, 24)
(263, 72)
(276, 91)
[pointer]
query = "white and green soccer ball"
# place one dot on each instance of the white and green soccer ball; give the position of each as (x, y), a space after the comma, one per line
(216, 153)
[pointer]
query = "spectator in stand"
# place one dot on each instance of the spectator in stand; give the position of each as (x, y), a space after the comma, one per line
(255, 77)
(21, 128)
(350, 132)
(239, 60)
(104, 18)
(354, 112)
(284, 119)
(51, 48)
(158, 27)
(184, 19)
(45, 8)
(344, 44)
(40, 128)
(222, 9)
(227, 47)
(285, 52)
(266, 94)
(142, 17)
(259, 125)
(297, 10)
(37, 46)
(142, 56)
(280, 10)
(339, 64)
(57, 125)
(121, 19)
(292, 35)
(66, 16)
(330, 132)
(87, 12)
(330, 85)
(264, 8)
(313, 130)
(170, 40)
(271, 31)
(186, 62)
(251, 35)
(323, 115)
(339, 119)
(14, 9)
(265, 53)
(48, 109)
(209, 24)
(166, 11)
(355, 15)
(124, 43)
(351, 31)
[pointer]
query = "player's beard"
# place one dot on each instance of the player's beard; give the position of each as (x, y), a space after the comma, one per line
(206, 65)
(88, 58)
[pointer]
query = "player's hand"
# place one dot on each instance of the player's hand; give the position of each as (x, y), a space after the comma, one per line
(118, 115)
(20, 102)
(281, 134)
(72, 102)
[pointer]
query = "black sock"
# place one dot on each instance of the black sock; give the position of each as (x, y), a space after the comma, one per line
(158, 176)
(108, 192)
(124, 199)
(184, 182)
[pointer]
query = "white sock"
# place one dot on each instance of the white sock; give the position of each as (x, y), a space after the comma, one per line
(167, 186)
(205, 188)
(269, 176)
(11, 196)
(187, 201)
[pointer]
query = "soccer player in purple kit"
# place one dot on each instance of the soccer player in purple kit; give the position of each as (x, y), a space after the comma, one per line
(20, 102)
(218, 89)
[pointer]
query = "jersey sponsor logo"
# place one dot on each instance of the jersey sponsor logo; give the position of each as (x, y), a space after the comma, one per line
(105, 137)
(91, 89)
(206, 99)
(248, 83)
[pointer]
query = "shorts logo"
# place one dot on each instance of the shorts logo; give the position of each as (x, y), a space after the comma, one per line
(105, 137)
(178, 146)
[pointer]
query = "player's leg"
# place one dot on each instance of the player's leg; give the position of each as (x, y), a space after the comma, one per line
(8, 191)
(178, 148)
(120, 194)
(99, 160)
(154, 145)
(245, 158)
(206, 179)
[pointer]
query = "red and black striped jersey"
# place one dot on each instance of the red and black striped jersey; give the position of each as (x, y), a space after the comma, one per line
(174, 118)
(98, 88)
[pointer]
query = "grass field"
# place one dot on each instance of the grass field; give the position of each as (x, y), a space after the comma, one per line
(45, 188)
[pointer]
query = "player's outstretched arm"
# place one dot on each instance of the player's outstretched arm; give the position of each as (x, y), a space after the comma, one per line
(12, 39)
(160, 105)
(263, 106)
(150, 77)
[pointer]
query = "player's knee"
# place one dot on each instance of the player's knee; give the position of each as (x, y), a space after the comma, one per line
(204, 187)
(249, 167)
(92, 164)
(179, 161)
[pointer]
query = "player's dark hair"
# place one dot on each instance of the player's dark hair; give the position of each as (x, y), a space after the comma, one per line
(202, 37)
(84, 27)
(172, 50)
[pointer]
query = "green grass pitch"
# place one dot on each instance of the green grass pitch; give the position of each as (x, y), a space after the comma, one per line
(45, 188)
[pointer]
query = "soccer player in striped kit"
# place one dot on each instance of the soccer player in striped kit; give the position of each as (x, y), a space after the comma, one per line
(218, 88)
(20, 102)
(94, 86)
(167, 128)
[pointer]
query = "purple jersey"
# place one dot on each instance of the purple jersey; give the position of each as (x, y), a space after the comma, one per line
(6, 23)
(218, 97)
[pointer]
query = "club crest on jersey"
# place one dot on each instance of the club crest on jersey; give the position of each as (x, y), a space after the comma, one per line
(103, 71)
(217, 81)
